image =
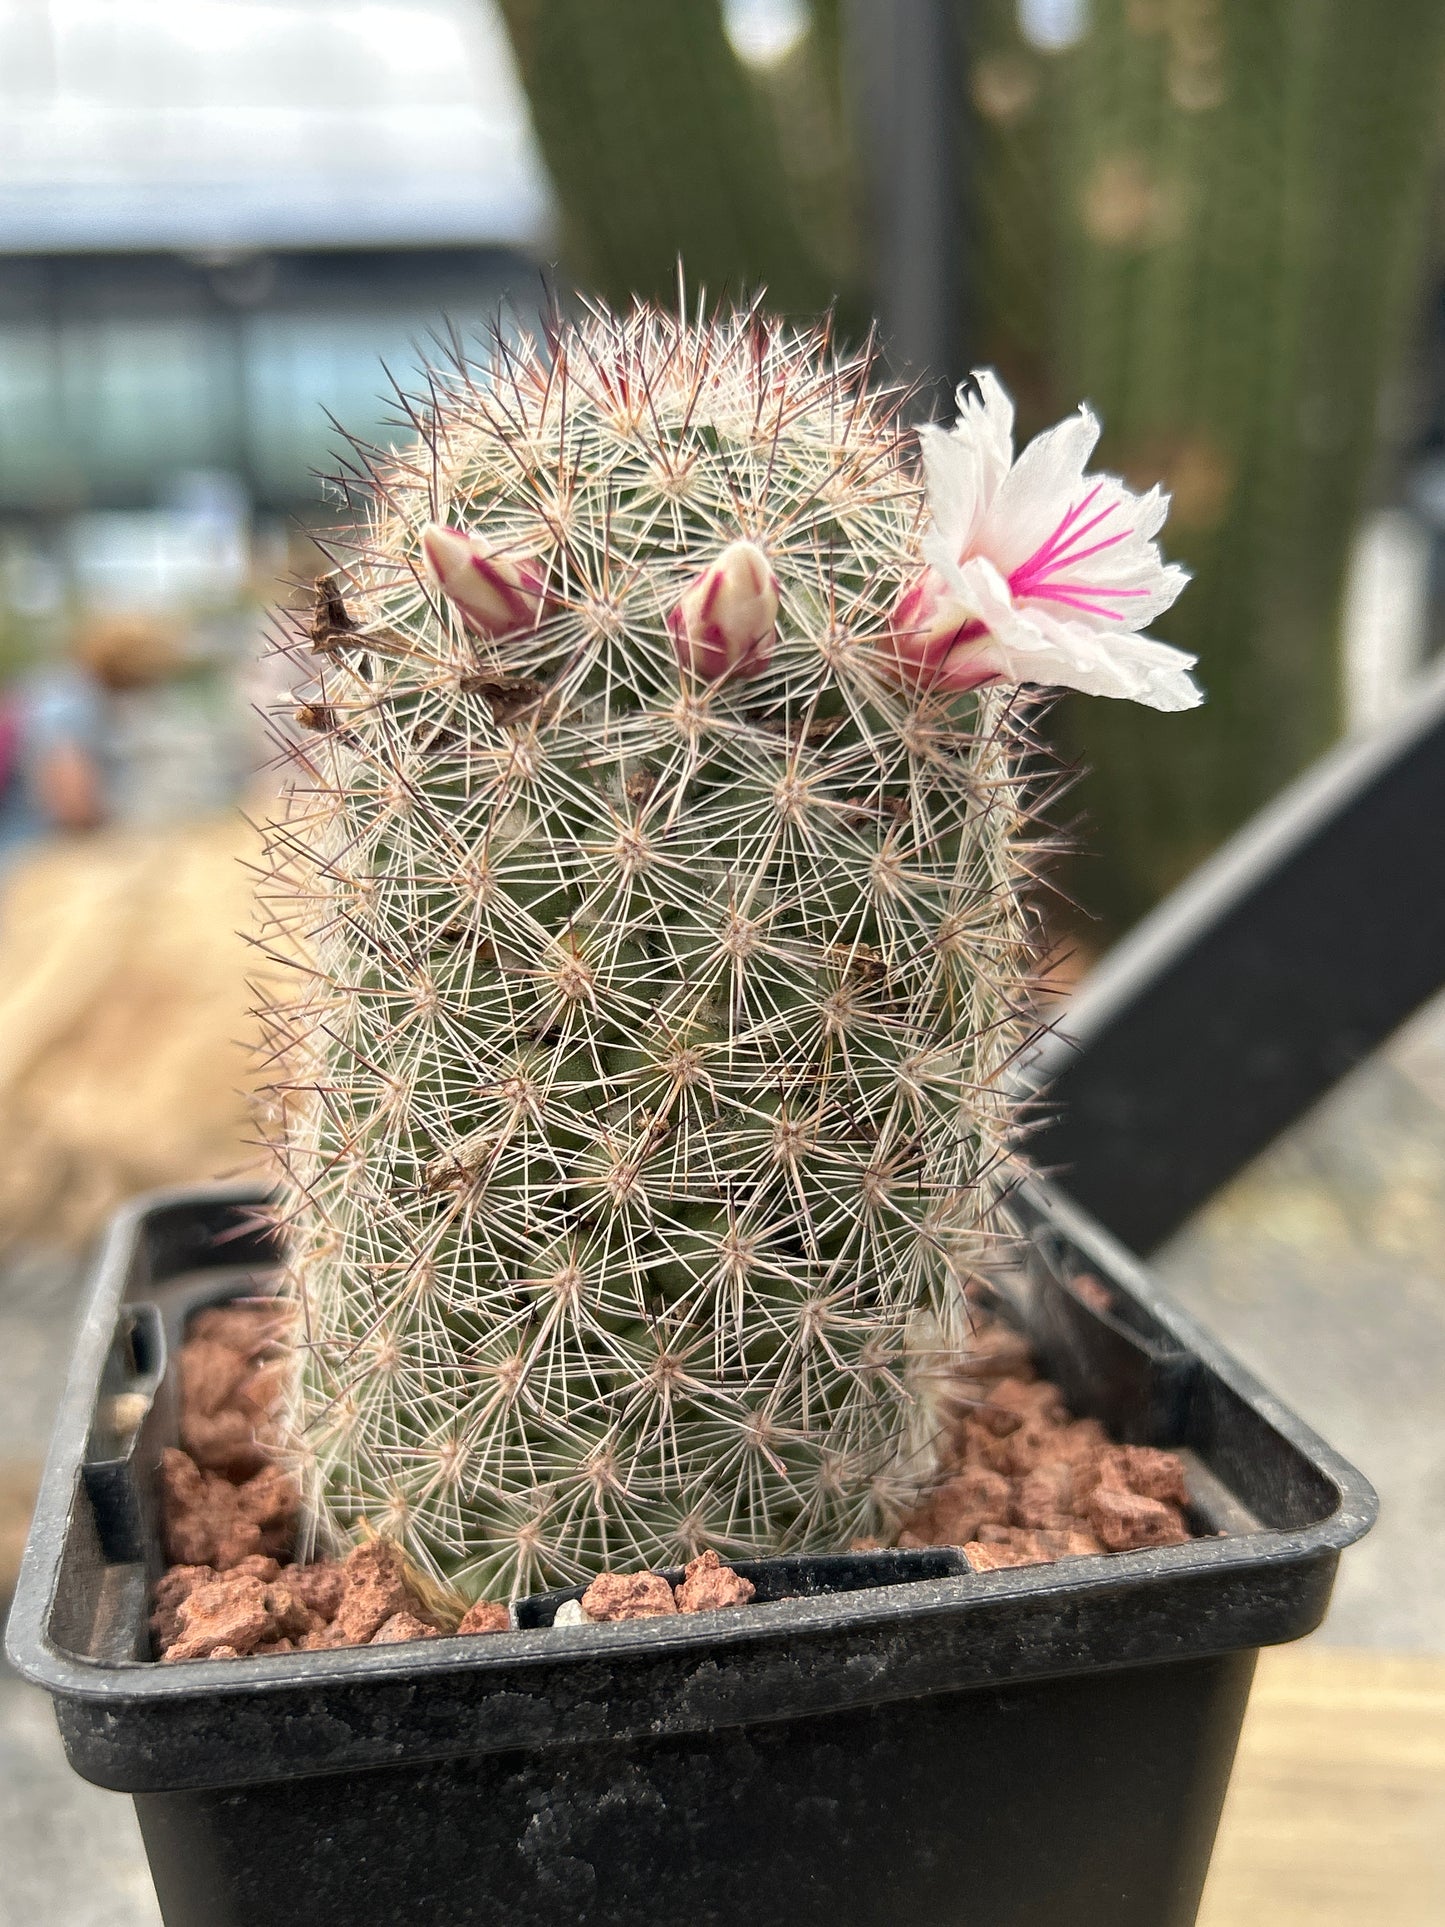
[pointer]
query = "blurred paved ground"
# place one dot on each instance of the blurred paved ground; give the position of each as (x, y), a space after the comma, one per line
(71, 1854)
(1323, 1267)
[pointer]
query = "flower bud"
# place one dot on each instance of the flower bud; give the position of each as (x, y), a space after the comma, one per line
(725, 621)
(496, 594)
(934, 642)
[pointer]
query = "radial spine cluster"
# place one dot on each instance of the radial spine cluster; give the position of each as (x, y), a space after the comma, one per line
(643, 1093)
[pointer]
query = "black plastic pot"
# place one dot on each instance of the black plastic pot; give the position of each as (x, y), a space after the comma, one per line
(886, 1737)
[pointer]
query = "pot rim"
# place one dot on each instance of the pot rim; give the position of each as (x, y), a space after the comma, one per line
(885, 1641)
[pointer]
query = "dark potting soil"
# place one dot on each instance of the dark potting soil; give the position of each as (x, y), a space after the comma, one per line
(1021, 1482)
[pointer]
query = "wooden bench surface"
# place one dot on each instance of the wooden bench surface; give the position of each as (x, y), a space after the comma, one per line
(1336, 1813)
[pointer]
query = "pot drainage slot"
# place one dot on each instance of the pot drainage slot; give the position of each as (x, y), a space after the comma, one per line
(796, 1578)
(135, 1368)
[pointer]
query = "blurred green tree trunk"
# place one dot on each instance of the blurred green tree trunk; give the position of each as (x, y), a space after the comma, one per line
(662, 145)
(1221, 207)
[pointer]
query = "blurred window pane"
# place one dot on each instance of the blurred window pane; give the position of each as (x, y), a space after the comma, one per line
(262, 123)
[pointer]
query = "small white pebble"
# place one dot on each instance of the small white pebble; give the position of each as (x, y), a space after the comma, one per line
(570, 1613)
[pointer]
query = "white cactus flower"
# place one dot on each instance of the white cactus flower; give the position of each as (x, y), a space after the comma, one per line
(1038, 572)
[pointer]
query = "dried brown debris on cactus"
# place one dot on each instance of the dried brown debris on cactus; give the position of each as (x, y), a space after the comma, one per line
(331, 620)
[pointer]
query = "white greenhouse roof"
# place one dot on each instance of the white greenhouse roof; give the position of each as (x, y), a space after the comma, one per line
(234, 124)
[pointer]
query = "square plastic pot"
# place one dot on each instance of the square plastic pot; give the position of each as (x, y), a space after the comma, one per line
(884, 1737)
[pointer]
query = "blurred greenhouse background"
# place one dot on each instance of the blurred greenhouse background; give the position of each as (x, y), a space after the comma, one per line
(228, 223)
(229, 226)
(229, 229)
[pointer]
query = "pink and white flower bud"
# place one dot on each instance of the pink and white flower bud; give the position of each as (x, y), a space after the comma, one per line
(725, 621)
(934, 642)
(497, 595)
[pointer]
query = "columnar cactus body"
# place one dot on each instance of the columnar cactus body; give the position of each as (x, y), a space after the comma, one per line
(645, 1099)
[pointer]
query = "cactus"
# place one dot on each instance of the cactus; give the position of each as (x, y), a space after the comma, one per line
(658, 138)
(666, 946)
(1210, 217)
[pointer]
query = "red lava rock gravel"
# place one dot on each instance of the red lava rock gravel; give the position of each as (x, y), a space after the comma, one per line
(1145, 1470)
(708, 1584)
(1022, 1482)
(229, 1519)
(1127, 1520)
(232, 1375)
(210, 1521)
(320, 1585)
(628, 1595)
(229, 1612)
(403, 1626)
(486, 1616)
(375, 1589)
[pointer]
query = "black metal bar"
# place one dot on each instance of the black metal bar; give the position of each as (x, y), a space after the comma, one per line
(905, 61)
(1252, 990)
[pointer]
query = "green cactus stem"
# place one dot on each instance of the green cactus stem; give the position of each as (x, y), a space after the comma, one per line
(660, 142)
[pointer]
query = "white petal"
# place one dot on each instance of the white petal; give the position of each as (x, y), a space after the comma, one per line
(1096, 563)
(1149, 510)
(952, 472)
(1038, 492)
(986, 419)
(943, 553)
(964, 465)
(1116, 553)
(1037, 646)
